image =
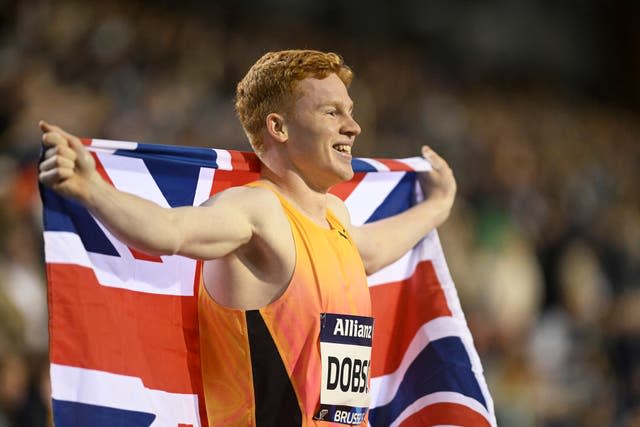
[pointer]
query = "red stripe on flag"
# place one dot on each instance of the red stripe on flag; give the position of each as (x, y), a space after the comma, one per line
(395, 165)
(100, 168)
(144, 256)
(244, 161)
(224, 179)
(344, 189)
(123, 332)
(400, 309)
(446, 414)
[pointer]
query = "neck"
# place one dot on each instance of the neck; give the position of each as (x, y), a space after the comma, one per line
(309, 200)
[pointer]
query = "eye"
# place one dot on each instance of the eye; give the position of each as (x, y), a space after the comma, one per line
(332, 112)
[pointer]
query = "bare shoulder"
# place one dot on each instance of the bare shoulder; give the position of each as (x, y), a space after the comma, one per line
(247, 196)
(259, 204)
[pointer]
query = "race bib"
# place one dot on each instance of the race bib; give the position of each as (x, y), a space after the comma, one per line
(345, 349)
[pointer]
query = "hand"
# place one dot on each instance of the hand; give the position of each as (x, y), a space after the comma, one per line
(438, 184)
(67, 167)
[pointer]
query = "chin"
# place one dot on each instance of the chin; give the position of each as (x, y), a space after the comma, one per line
(346, 174)
(338, 177)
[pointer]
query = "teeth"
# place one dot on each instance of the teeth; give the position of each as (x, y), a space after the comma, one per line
(343, 148)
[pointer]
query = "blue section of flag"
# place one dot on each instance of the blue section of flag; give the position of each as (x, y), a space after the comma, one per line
(55, 214)
(175, 169)
(398, 200)
(74, 414)
(443, 365)
(62, 214)
(361, 166)
(197, 156)
(178, 185)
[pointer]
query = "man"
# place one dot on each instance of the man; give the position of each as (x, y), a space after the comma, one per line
(284, 307)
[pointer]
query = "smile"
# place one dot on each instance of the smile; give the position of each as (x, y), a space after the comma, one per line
(343, 148)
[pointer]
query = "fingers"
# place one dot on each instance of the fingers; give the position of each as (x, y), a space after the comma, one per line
(54, 140)
(56, 162)
(55, 135)
(47, 127)
(437, 162)
(426, 150)
(59, 160)
(44, 126)
(51, 135)
(58, 148)
(54, 176)
(58, 165)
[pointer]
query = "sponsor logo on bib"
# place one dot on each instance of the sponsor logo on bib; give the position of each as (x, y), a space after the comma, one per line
(345, 348)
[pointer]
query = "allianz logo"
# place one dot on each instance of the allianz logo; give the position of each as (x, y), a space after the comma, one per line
(352, 328)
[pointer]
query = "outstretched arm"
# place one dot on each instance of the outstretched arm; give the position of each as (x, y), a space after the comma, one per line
(212, 230)
(382, 242)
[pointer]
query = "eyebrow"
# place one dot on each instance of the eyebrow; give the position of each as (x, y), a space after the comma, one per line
(349, 107)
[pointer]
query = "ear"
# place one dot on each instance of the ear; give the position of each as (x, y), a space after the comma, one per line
(276, 127)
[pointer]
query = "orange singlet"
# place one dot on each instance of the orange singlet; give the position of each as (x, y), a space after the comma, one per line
(263, 367)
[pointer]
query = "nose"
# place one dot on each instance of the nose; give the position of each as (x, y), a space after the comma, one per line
(351, 127)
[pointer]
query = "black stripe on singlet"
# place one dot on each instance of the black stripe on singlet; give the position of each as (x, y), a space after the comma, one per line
(275, 400)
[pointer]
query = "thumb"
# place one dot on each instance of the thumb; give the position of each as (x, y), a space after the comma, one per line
(425, 150)
(74, 142)
(48, 127)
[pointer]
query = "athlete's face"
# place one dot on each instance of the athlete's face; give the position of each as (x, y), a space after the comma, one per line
(322, 131)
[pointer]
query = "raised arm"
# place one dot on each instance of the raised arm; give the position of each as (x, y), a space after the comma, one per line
(382, 242)
(211, 230)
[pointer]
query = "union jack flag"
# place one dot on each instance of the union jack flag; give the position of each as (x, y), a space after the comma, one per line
(124, 347)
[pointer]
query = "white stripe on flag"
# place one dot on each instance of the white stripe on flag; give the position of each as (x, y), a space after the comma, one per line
(101, 388)
(173, 276)
(64, 247)
(419, 164)
(203, 188)
(131, 175)
(376, 164)
(105, 145)
(369, 194)
(444, 275)
(223, 159)
(405, 267)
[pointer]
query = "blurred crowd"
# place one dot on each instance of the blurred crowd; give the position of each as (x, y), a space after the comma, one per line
(543, 242)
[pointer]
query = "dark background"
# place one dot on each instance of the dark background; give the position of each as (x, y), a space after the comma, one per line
(535, 104)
